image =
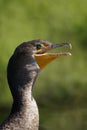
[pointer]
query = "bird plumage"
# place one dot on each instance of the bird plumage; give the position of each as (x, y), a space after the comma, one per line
(23, 68)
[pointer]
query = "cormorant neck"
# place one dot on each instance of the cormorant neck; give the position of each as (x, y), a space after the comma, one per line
(22, 72)
(23, 95)
(21, 77)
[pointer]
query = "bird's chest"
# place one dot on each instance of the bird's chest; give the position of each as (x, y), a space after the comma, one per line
(28, 118)
(25, 119)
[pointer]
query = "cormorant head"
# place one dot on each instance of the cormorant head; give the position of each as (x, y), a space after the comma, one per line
(38, 51)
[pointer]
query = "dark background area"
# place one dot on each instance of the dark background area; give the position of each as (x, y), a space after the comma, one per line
(61, 88)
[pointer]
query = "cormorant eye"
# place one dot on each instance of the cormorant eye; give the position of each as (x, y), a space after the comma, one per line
(39, 46)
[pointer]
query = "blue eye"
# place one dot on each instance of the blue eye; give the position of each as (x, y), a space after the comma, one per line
(38, 46)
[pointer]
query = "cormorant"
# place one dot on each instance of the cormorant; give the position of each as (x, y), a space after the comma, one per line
(23, 68)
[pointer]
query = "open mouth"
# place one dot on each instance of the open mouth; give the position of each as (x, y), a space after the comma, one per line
(44, 56)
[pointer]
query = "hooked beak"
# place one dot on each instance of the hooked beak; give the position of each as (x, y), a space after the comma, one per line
(43, 58)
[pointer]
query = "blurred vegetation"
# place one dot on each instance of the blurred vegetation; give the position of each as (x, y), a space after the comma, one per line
(61, 95)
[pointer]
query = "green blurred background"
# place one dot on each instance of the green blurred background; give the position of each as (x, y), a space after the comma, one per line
(61, 89)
